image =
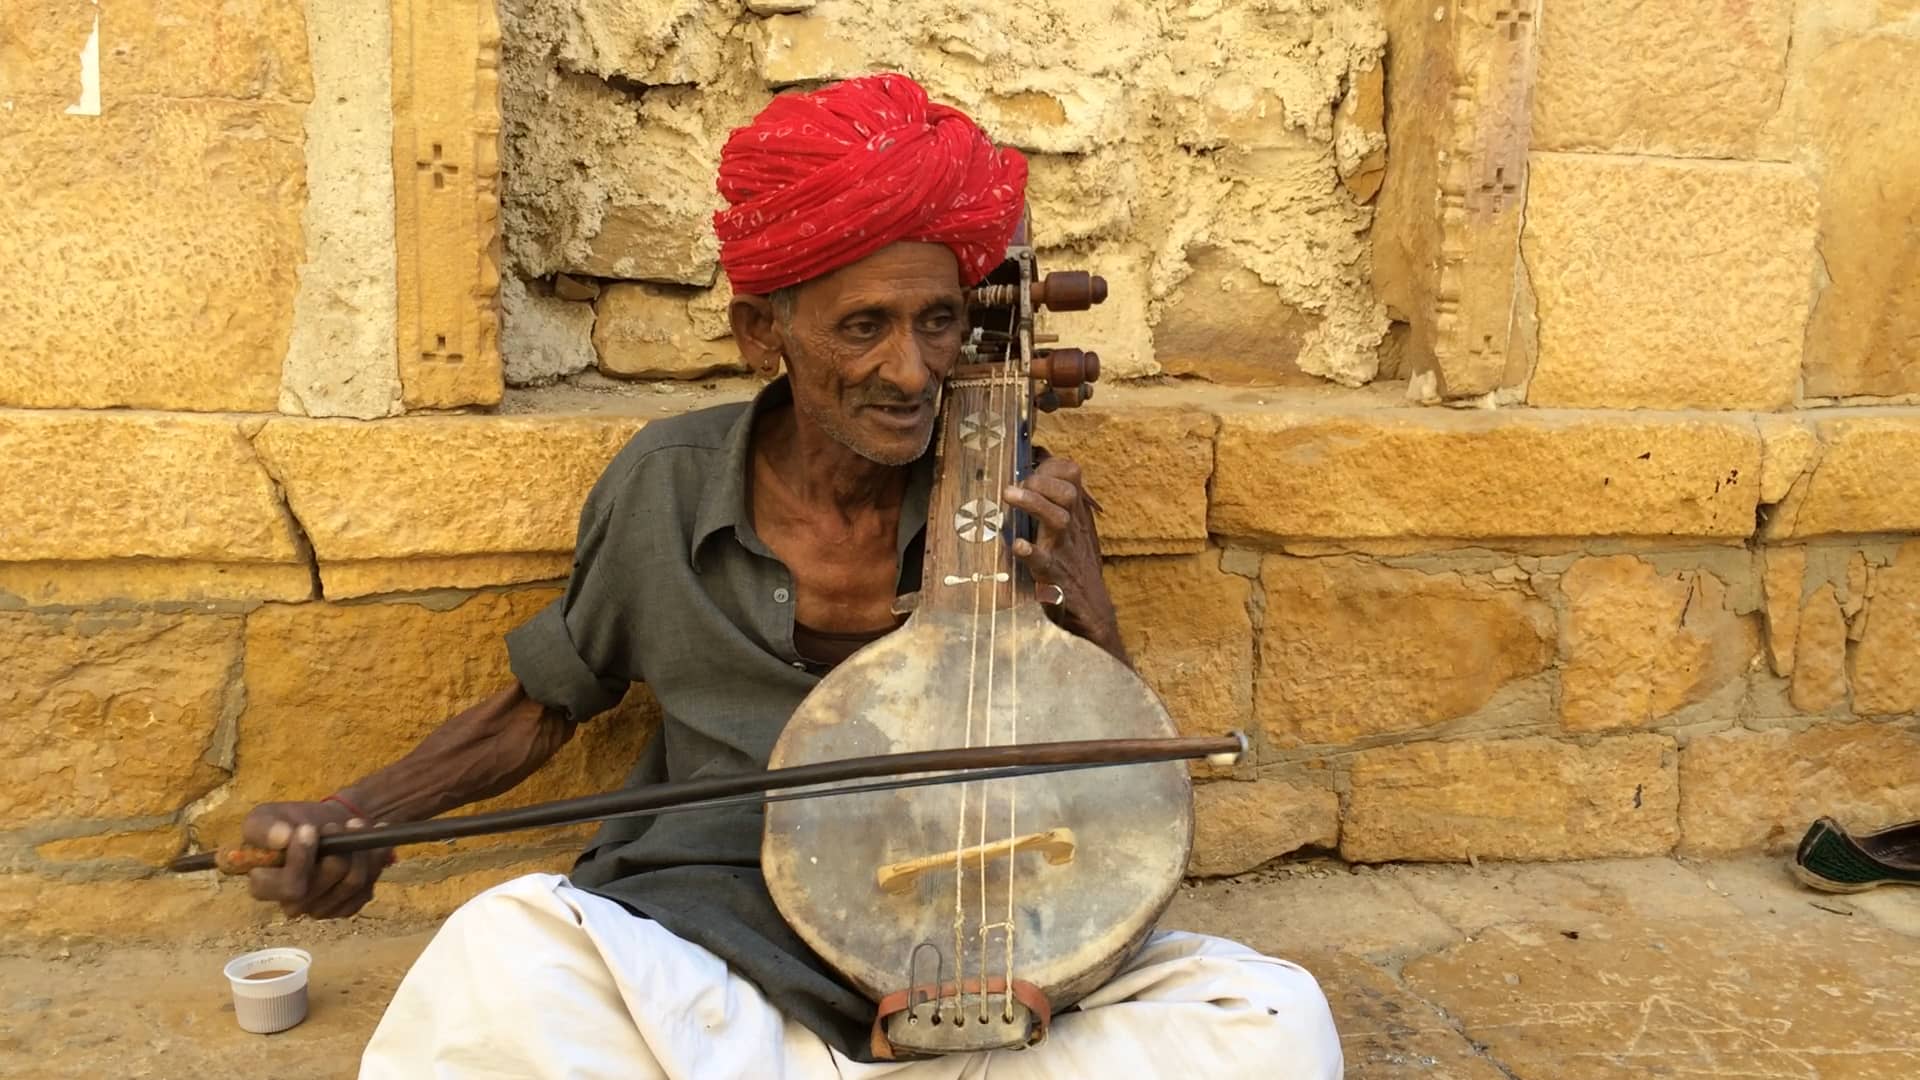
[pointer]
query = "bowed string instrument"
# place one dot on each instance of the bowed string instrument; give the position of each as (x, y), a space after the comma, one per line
(971, 912)
(944, 824)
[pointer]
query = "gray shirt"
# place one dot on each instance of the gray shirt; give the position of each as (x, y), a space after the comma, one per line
(671, 586)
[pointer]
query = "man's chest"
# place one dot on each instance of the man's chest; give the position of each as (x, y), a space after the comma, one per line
(845, 582)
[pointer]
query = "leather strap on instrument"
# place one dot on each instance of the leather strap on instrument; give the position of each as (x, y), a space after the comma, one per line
(900, 1000)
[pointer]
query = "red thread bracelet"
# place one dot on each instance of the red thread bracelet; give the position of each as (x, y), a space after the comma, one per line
(356, 811)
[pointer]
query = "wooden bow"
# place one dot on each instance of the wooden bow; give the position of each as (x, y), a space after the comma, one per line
(949, 766)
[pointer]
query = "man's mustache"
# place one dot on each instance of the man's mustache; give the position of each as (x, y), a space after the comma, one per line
(889, 395)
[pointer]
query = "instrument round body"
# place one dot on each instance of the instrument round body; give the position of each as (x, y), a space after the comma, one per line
(1077, 909)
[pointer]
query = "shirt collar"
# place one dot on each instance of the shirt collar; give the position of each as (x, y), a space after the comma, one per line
(724, 503)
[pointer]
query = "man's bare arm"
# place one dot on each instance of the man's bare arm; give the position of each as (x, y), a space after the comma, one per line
(477, 754)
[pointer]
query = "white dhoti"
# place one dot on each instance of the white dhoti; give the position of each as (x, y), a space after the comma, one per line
(535, 978)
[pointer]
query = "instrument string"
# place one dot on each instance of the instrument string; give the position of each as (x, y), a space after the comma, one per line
(997, 395)
(1016, 387)
(960, 837)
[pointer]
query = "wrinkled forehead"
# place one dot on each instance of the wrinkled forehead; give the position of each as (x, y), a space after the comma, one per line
(904, 275)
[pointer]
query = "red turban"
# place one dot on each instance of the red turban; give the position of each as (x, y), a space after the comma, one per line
(824, 179)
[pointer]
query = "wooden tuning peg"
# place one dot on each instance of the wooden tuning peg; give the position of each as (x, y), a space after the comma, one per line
(1069, 290)
(1063, 368)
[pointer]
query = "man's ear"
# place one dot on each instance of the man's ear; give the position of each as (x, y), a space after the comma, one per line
(756, 330)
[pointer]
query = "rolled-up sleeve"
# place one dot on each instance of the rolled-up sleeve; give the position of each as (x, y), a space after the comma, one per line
(574, 653)
(549, 665)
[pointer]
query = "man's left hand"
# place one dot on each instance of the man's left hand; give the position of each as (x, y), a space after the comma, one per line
(1065, 551)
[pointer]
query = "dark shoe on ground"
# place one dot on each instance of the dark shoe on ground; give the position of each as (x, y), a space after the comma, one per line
(1833, 860)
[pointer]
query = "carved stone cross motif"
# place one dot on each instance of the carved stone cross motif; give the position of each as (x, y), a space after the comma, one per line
(439, 168)
(1499, 189)
(1514, 14)
(440, 355)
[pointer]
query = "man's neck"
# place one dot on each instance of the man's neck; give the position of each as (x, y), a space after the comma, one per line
(821, 472)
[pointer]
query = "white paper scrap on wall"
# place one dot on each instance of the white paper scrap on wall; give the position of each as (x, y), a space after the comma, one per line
(89, 103)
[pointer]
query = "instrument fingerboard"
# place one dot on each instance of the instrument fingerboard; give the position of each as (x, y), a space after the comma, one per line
(984, 447)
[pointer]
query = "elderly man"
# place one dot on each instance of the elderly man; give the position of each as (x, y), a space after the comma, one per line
(729, 558)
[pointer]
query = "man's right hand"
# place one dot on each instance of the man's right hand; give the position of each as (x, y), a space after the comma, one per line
(328, 888)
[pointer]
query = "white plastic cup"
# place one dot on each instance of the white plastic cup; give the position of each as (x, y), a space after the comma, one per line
(264, 1006)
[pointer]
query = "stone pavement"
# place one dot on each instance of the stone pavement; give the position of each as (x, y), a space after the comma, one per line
(1560, 971)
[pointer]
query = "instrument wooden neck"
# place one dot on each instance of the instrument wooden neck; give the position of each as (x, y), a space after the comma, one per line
(984, 447)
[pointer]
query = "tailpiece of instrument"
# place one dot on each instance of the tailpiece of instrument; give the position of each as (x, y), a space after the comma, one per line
(921, 769)
(972, 913)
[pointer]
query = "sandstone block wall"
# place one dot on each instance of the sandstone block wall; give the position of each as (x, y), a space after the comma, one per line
(1516, 429)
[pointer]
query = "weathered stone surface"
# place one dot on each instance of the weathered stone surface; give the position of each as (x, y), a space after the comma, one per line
(1349, 649)
(111, 715)
(1238, 826)
(334, 692)
(1306, 267)
(1512, 799)
(124, 582)
(1119, 329)
(249, 49)
(1705, 997)
(661, 42)
(1866, 478)
(1579, 896)
(641, 207)
(1699, 80)
(617, 113)
(1446, 250)
(107, 485)
(1788, 448)
(1853, 595)
(568, 287)
(341, 360)
(1786, 568)
(1751, 789)
(1388, 1033)
(1045, 108)
(1699, 297)
(36, 907)
(1820, 654)
(806, 48)
(45, 39)
(1332, 473)
(647, 332)
(144, 848)
(413, 487)
(1185, 622)
(1865, 336)
(1360, 134)
(446, 213)
(1406, 231)
(371, 577)
(158, 999)
(1225, 325)
(241, 49)
(1886, 665)
(1085, 199)
(542, 338)
(1641, 646)
(1148, 468)
(210, 190)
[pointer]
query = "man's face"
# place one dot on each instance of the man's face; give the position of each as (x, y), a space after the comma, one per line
(868, 346)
